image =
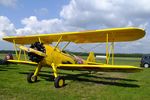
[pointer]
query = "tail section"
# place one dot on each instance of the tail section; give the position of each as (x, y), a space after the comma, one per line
(91, 57)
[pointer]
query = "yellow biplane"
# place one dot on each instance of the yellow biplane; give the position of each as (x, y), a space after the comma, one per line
(41, 53)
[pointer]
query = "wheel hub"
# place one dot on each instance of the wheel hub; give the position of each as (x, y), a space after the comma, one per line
(33, 78)
(61, 82)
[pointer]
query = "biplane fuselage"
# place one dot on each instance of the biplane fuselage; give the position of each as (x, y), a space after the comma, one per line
(56, 56)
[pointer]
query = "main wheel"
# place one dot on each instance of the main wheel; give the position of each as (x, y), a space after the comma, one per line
(146, 65)
(31, 78)
(59, 82)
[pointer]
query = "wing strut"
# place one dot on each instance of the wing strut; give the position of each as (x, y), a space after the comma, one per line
(15, 49)
(25, 56)
(58, 42)
(111, 52)
(19, 54)
(39, 39)
(65, 46)
(107, 53)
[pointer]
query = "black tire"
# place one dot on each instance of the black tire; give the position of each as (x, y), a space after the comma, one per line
(146, 65)
(59, 82)
(31, 78)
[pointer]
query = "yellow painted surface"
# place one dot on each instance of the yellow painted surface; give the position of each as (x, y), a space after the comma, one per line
(37, 70)
(54, 70)
(56, 56)
(92, 36)
(22, 62)
(32, 50)
(102, 67)
(91, 57)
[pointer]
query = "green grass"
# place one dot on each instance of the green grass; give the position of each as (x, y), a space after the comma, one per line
(79, 85)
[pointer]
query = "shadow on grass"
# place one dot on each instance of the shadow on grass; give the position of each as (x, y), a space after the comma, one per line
(42, 71)
(121, 84)
(104, 80)
(47, 77)
(3, 70)
(90, 78)
(6, 67)
(109, 78)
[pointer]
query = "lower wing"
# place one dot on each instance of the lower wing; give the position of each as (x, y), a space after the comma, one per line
(101, 67)
(21, 62)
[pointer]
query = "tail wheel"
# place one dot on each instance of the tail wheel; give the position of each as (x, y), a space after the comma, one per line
(31, 78)
(59, 82)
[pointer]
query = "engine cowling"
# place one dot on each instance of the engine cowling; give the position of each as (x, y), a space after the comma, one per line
(39, 47)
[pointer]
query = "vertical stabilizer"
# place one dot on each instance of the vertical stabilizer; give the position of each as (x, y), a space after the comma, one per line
(91, 57)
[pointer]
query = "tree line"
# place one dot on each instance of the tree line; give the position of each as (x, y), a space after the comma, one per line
(85, 54)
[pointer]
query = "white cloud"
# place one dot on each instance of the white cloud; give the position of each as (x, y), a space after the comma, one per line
(108, 13)
(6, 27)
(8, 3)
(83, 14)
(34, 26)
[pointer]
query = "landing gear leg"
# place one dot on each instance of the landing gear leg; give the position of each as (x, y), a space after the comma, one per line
(32, 77)
(59, 81)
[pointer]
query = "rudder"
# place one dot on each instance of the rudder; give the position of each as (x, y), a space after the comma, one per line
(91, 57)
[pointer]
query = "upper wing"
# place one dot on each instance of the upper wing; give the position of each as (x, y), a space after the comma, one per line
(22, 62)
(93, 36)
(102, 67)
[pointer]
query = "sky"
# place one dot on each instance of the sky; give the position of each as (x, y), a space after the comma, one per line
(28, 17)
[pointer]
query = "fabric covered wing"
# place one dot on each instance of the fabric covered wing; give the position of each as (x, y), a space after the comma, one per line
(102, 67)
(93, 36)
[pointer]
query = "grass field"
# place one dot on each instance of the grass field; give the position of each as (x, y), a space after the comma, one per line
(79, 85)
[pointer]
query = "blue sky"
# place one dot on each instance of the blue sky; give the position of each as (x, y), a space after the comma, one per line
(27, 8)
(27, 17)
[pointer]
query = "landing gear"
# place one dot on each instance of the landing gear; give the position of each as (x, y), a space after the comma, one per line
(31, 78)
(59, 82)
